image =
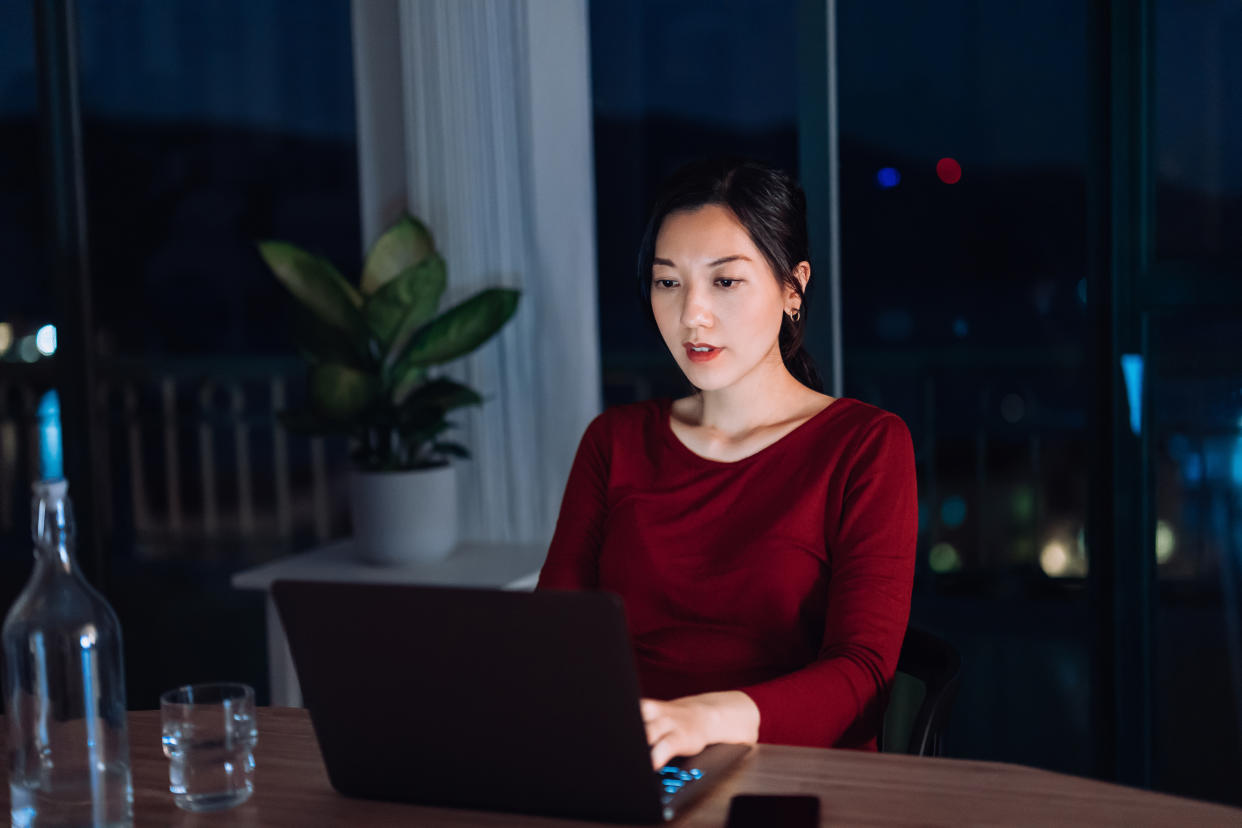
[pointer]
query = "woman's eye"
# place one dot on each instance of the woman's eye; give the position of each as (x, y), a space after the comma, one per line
(726, 283)
(666, 283)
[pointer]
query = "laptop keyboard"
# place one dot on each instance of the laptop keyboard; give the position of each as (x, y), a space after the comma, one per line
(673, 779)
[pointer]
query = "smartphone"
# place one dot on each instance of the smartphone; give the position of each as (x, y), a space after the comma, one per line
(771, 810)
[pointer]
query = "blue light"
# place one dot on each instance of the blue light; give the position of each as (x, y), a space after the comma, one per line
(51, 456)
(894, 324)
(953, 511)
(1192, 468)
(1132, 370)
(887, 178)
(960, 327)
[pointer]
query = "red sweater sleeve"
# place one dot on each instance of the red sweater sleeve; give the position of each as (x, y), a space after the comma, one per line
(573, 556)
(872, 552)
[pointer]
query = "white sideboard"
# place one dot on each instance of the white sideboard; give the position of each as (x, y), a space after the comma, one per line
(484, 565)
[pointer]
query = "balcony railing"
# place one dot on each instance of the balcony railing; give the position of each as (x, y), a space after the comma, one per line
(193, 456)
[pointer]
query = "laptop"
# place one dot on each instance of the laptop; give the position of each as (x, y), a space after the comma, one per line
(483, 699)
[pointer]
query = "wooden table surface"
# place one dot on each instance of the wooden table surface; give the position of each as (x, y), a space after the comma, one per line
(291, 789)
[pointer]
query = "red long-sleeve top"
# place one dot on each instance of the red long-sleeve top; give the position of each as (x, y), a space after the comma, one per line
(786, 574)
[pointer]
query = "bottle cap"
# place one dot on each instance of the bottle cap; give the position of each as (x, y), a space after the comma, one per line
(51, 460)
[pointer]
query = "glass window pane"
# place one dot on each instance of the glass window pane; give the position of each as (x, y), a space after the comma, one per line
(209, 127)
(27, 290)
(963, 142)
(25, 287)
(1197, 150)
(672, 82)
(1196, 461)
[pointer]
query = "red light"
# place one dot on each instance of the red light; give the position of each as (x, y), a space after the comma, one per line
(949, 171)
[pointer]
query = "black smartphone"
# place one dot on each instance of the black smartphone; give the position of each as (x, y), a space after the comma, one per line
(773, 811)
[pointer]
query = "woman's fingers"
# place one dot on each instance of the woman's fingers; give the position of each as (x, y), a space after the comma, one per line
(685, 726)
(661, 752)
(658, 729)
(673, 729)
(668, 741)
(656, 718)
(676, 742)
(661, 727)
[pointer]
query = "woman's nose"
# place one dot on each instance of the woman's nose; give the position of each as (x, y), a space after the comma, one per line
(696, 312)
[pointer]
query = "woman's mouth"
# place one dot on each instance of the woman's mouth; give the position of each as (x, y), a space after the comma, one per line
(701, 351)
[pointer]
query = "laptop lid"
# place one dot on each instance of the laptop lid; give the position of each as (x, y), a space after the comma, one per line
(482, 699)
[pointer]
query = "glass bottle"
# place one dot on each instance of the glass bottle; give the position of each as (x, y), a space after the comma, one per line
(64, 677)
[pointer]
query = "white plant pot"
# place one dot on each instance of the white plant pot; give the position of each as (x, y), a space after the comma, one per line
(404, 517)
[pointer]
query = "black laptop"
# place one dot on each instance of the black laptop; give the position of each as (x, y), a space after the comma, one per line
(483, 699)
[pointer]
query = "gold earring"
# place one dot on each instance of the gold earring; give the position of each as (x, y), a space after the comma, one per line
(795, 316)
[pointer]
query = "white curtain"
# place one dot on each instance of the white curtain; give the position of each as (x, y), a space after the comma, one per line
(476, 116)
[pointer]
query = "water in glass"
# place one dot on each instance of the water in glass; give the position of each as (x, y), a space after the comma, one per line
(209, 736)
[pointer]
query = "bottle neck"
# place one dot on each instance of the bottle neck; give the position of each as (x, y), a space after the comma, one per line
(52, 525)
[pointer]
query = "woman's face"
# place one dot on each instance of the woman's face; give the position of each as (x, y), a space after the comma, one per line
(712, 289)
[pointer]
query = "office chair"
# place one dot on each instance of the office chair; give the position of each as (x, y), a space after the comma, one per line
(928, 672)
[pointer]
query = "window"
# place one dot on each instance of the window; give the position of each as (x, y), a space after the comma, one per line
(1198, 132)
(26, 303)
(673, 82)
(206, 128)
(1191, 450)
(963, 145)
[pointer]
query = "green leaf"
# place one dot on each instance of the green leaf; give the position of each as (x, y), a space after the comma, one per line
(320, 342)
(455, 332)
(316, 283)
(406, 301)
(406, 243)
(409, 381)
(443, 394)
(339, 392)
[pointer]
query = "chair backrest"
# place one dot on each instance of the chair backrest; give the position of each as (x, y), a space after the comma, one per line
(921, 699)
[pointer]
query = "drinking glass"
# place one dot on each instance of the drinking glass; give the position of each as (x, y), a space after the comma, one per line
(209, 739)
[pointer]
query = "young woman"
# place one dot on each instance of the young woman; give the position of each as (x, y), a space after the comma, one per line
(761, 533)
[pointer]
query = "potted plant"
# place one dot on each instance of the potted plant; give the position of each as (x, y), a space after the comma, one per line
(370, 350)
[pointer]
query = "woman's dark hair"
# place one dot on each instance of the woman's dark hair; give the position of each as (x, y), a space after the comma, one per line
(772, 208)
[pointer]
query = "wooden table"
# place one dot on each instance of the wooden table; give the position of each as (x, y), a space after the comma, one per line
(291, 789)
